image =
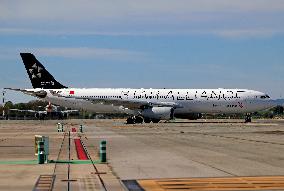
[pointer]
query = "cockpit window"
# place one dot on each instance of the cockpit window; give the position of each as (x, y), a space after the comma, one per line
(264, 97)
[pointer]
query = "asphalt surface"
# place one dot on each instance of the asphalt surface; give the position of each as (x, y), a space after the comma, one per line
(194, 149)
(180, 149)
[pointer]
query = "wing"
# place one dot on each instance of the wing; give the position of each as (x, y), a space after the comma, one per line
(130, 103)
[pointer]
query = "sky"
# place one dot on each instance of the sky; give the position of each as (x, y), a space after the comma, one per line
(149, 43)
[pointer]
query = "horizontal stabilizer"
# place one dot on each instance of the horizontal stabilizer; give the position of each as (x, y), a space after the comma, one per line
(36, 93)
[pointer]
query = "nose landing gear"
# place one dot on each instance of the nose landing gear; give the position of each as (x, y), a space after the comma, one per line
(248, 118)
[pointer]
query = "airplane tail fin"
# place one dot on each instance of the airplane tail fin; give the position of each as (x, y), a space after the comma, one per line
(39, 76)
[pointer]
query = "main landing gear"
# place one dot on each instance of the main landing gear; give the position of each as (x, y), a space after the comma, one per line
(148, 120)
(138, 119)
(134, 119)
(248, 118)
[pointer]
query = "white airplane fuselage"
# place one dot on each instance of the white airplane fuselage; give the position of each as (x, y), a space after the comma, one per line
(144, 104)
(188, 100)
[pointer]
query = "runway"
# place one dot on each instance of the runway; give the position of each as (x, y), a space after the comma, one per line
(169, 151)
(198, 150)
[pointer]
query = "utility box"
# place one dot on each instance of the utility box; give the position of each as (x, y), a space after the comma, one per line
(45, 139)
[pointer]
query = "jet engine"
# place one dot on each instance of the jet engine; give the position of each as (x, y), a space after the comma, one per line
(164, 113)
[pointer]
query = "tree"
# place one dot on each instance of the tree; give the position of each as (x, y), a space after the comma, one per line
(20, 106)
(1, 109)
(9, 105)
(278, 110)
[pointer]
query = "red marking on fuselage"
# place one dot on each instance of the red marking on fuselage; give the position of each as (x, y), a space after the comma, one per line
(241, 104)
(49, 107)
(72, 92)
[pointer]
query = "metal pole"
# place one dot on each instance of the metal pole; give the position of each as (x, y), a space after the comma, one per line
(3, 101)
(103, 151)
(69, 148)
(40, 152)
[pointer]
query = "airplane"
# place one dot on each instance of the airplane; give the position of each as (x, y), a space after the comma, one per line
(50, 111)
(144, 105)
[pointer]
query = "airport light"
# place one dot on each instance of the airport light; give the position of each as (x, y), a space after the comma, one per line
(3, 101)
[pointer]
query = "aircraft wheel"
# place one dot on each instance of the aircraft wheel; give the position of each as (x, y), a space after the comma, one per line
(130, 120)
(248, 118)
(156, 120)
(138, 120)
(147, 120)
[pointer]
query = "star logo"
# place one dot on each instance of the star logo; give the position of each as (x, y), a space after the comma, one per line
(35, 71)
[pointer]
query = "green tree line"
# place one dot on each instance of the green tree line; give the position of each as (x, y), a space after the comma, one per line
(39, 105)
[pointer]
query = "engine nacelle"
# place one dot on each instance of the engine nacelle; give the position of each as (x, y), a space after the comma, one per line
(164, 113)
(190, 116)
